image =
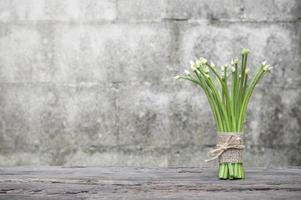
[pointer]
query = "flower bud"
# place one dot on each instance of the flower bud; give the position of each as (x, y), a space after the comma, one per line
(247, 70)
(186, 72)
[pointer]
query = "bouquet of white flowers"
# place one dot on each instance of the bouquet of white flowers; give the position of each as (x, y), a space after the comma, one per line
(228, 91)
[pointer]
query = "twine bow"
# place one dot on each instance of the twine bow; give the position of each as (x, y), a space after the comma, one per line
(232, 142)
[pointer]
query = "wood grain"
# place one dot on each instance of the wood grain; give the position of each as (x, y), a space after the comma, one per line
(78, 183)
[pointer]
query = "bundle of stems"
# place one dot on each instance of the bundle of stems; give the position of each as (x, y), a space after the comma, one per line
(228, 90)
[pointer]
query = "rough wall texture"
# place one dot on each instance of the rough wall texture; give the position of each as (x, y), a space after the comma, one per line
(89, 82)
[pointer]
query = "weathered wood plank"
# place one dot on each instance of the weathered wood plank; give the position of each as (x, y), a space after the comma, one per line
(59, 183)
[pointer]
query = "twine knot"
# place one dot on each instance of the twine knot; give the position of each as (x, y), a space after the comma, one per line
(231, 142)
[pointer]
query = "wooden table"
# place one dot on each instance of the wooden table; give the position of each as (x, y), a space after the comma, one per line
(74, 183)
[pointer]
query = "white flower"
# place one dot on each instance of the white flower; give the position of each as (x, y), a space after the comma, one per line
(247, 70)
(193, 68)
(267, 68)
(245, 51)
(264, 63)
(235, 60)
(224, 68)
(206, 70)
(198, 62)
(233, 69)
(186, 72)
(212, 64)
(203, 60)
(177, 77)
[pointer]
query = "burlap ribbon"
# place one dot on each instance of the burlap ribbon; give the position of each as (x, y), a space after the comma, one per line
(229, 148)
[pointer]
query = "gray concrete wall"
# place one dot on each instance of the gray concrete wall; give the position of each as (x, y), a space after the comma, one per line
(90, 82)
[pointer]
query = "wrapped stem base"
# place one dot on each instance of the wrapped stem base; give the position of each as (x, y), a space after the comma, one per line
(229, 152)
(230, 161)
